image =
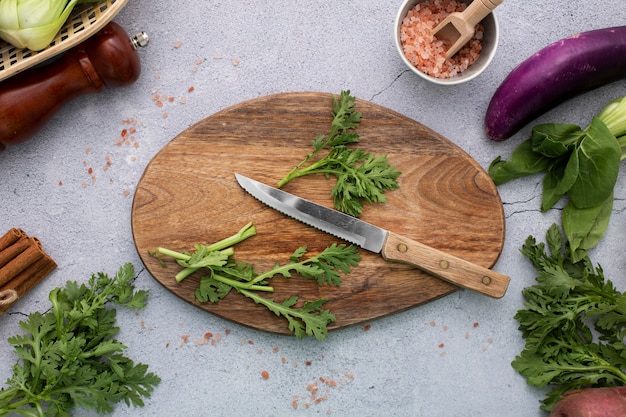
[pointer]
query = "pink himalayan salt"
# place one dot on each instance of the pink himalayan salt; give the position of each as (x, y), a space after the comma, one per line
(427, 53)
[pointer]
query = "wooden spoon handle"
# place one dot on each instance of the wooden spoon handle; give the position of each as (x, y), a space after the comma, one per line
(478, 10)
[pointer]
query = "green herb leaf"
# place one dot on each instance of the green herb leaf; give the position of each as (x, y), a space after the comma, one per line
(68, 357)
(362, 177)
(221, 277)
(573, 323)
(309, 320)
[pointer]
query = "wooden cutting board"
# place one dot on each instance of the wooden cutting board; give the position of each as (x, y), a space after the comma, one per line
(188, 195)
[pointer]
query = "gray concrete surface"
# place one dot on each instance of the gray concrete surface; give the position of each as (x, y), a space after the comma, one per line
(430, 361)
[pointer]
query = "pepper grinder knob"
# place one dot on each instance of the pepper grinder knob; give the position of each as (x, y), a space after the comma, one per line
(141, 40)
(30, 99)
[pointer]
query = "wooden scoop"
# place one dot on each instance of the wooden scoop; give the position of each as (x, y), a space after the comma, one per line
(458, 28)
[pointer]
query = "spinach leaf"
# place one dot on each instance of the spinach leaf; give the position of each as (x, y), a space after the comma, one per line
(524, 161)
(584, 228)
(581, 165)
(599, 158)
(555, 139)
(558, 180)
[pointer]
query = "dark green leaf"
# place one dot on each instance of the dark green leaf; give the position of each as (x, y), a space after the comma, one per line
(564, 349)
(584, 228)
(558, 180)
(523, 162)
(68, 357)
(599, 159)
(555, 140)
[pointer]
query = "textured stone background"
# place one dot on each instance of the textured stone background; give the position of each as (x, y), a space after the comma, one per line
(449, 358)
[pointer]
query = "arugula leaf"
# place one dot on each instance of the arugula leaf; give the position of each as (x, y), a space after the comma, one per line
(68, 357)
(573, 323)
(362, 177)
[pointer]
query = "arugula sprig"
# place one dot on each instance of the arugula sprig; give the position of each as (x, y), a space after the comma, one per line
(68, 356)
(362, 177)
(574, 323)
(582, 164)
(223, 274)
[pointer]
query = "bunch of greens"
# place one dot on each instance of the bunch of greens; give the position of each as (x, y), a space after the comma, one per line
(68, 356)
(580, 163)
(224, 274)
(33, 24)
(574, 323)
(361, 176)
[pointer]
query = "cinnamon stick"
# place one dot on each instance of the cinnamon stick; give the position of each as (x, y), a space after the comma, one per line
(25, 281)
(11, 252)
(20, 273)
(18, 264)
(10, 238)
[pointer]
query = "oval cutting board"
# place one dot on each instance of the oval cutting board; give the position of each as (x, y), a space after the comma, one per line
(188, 194)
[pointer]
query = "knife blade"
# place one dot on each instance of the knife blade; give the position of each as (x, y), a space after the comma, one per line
(392, 246)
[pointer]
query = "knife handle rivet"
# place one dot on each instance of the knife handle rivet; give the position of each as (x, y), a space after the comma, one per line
(403, 248)
(486, 280)
(444, 264)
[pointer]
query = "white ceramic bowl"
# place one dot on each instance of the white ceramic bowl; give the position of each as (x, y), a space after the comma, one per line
(489, 45)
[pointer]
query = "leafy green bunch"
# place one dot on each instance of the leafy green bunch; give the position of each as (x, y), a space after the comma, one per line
(582, 164)
(361, 176)
(574, 323)
(222, 274)
(68, 356)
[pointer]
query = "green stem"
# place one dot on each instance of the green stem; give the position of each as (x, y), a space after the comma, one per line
(611, 369)
(224, 245)
(264, 301)
(8, 406)
(319, 167)
(176, 255)
(185, 273)
(242, 286)
(247, 231)
(335, 129)
(280, 269)
(297, 171)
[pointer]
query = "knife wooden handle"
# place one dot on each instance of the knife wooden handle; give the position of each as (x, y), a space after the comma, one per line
(445, 266)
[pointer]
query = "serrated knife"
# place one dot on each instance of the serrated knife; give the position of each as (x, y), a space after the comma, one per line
(391, 246)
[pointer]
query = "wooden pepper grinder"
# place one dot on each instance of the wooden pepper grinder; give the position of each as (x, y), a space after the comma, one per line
(29, 100)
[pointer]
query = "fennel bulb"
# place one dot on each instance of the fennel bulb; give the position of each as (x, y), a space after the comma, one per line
(33, 24)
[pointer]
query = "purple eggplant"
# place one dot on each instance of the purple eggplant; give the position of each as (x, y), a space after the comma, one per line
(553, 75)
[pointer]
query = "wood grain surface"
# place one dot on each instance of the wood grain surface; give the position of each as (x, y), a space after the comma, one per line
(188, 194)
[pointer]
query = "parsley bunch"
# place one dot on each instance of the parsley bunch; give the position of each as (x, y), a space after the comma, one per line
(574, 323)
(361, 176)
(224, 273)
(68, 356)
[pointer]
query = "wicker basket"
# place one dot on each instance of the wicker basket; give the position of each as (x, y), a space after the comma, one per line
(85, 20)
